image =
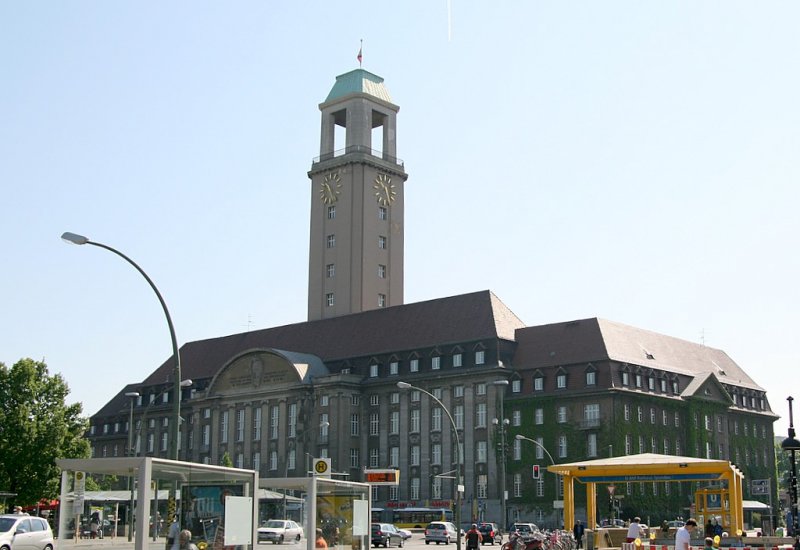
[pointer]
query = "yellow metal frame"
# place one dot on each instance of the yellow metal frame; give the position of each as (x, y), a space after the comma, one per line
(648, 468)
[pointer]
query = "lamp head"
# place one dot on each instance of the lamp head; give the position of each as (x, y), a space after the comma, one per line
(519, 436)
(500, 383)
(403, 385)
(132, 394)
(186, 383)
(790, 444)
(74, 238)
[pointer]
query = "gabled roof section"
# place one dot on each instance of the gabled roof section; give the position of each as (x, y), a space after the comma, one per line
(359, 81)
(596, 339)
(464, 318)
(708, 388)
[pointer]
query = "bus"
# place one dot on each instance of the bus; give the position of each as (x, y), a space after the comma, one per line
(419, 518)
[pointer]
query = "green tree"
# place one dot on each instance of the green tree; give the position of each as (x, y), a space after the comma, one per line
(36, 427)
(226, 460)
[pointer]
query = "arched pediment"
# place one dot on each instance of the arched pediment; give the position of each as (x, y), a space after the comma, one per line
(267, 369)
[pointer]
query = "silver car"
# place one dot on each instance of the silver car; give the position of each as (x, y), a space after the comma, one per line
(23, 532)
(440, 531)
(278, 531)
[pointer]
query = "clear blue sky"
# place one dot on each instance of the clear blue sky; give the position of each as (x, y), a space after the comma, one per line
(636, 161)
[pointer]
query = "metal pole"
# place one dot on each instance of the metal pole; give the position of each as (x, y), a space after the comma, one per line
(133, 395)
(502, 425)
(552, 462)
(406, 385)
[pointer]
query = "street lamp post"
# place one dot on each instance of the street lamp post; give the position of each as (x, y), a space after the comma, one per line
(175, 425)
(521, 437)
(407, 386)
(792, 445)
(132, 395)
(502, 424)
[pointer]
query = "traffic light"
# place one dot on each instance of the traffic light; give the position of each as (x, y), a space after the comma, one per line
(536, 472)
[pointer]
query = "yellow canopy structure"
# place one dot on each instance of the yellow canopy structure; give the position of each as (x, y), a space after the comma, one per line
(650, 467)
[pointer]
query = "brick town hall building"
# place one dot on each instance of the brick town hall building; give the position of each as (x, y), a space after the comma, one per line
(272, 399)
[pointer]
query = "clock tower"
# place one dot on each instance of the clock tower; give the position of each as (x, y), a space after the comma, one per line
(357, 197)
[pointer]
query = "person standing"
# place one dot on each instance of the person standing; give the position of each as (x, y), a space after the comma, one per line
(474, 537)
(577, 532)
(185, 540)
(173, 535)
(320, 541)
(683, 537)
(635, 530)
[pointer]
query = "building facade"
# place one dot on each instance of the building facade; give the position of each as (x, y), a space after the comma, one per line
(274, 399)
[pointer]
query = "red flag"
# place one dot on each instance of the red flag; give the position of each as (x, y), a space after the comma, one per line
(359, 57)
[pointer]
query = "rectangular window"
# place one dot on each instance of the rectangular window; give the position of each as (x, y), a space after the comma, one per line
(331, 212)
(639, 413)
(591, 378)
(374, 400)
(374, 424)
(394, 398)
(538, 384)
(206, 435)
(291, 460)
(638, 380)
(436, 419)
(256, 461)
(223, 427)
(516, 450)
(415, 454)
(256, 423)
(458, 417)
(323, 401)
(591, 445)
(562, 414)
(382, 242)
(354, 458)
(354, 424)
(540, 448)
(652, 415)
(394, 492)
(381, 300)
(677, 420)
(480, 357)
(664, 390)
(562, 446)
(394, 368)
(414, 488)
(394, 422)
(164, 439)
(293, 420)
(330, 241)
(329, 299)
(627, 412)
(591, 414)
(330, 270)
(625, 379)
(374, 457)
(483, 484)
(651, 383)
(516, 418)
(480, 415)
(373, 371)
(273, 460)
(561, 381)
(382, 213)
(436, 454)
(628, 445)
(436, 488)
(394, 457)
(413, 365)
(516, 386)
(324, 424)
(436, 363)
(664, 418)
(458, 391)
(456, 359)
(517, 485)
(240, 425)
(538, 416)
(381, 271)
(414, 423)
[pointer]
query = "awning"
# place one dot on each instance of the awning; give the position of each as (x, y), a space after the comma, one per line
(754, 505)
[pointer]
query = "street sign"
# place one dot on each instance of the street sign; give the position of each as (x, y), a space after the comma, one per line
(611, 489)
(759, 486)
(322, 467)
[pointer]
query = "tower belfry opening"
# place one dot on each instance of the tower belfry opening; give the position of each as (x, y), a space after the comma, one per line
(356, 239)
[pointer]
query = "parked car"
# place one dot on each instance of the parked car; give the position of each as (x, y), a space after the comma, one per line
(491, 533)
(386, 535)
(279, 530)
(28, 532)
(406, 533)
(440, 531)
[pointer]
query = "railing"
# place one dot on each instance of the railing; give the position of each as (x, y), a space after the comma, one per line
(358, 149)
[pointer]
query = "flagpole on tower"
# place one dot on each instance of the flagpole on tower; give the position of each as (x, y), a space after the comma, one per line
(360, 49)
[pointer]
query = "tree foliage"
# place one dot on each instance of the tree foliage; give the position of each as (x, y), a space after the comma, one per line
(36, 427)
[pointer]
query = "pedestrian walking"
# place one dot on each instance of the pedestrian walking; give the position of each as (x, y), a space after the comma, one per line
(635, 530)
(474, 537)
(577, 532)
(683, 537)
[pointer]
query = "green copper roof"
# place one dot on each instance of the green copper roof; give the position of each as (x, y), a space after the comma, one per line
(359, 81)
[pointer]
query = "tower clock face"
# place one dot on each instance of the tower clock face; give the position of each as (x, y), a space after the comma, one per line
(384, 189)
(330, 187)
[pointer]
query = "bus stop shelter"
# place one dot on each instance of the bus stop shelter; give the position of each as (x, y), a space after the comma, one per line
(649, 467)
(218, 504)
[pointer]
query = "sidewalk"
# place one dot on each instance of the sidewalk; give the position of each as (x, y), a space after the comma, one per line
(116, 543)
